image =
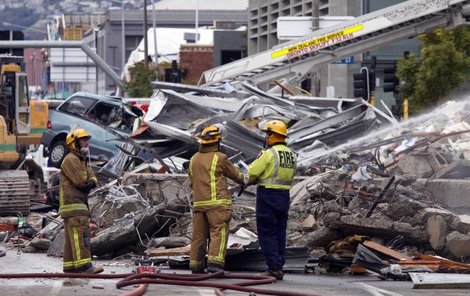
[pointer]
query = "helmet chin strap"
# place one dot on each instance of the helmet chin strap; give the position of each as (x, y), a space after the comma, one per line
(77, 145)
(266, 141)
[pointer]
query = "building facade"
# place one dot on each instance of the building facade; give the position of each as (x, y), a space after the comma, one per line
(109, 38)
(263, 15)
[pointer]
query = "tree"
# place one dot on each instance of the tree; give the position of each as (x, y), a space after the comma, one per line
(444, 63)
(140, 84)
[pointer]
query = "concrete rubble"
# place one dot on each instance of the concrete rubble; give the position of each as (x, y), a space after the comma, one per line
(347, 150)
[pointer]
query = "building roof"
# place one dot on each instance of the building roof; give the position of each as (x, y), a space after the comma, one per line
(203, 4)
(77, 20)
(180, 18)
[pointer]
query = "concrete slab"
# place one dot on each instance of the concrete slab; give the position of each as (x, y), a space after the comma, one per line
(451, 192)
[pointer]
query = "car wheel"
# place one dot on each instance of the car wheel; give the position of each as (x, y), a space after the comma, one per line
(57, 153)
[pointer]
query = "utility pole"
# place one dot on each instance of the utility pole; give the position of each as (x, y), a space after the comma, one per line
(123, 38)
(316, 26)
(146, 48)
(34, 71)
(197, 21)
(95, 35)
(155, 38)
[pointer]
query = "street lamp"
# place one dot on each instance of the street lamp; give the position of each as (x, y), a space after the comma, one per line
(123, 38)
(146, 53)
(197, 19)
(155, 53)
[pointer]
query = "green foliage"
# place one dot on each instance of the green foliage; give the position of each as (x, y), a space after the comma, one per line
(444, 64)
(140, 82)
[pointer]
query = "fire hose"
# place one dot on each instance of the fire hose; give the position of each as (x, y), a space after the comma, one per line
(199, 281)
(147, 276)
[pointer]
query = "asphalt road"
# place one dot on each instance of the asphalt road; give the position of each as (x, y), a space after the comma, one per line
(326, 285)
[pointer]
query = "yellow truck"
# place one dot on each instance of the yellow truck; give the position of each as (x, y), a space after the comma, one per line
(22, 122)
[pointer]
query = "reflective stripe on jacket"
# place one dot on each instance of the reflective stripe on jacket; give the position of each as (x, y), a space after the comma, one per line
(74, 173)
(208, 170)
(274, 168)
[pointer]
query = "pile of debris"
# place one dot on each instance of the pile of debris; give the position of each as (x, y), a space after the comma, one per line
(399, 185)
(177, 113)
(402, 187)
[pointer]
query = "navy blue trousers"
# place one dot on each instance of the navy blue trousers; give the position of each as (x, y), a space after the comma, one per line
(272, 207)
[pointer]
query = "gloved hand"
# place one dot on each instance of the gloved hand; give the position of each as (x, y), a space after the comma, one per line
(89, 185)
(242, 185)
(249, 183)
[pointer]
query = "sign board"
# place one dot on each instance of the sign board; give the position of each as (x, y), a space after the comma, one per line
(71, 65)
(293, 27)
(347, 60)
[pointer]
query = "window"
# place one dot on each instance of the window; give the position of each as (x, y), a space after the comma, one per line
(112, 116)
(104, 113)
(23, 99)
(77, 105)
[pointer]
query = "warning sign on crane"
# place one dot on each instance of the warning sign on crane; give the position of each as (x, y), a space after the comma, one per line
(317, 43)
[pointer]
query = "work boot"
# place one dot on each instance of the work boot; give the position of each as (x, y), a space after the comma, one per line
(214, 269)
(70, 270)
(198, 271)
(278, 274)
(94, 269)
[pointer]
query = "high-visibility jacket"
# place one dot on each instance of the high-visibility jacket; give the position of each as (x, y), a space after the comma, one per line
(274, 168)
(208, 170)
(74, 173)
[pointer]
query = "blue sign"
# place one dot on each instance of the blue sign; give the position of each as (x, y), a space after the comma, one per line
(348, 60)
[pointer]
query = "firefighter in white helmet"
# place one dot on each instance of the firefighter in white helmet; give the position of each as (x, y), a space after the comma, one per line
(212, 202)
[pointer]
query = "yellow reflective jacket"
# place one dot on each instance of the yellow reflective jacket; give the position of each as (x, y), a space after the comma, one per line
(74, 173)
(208, 170)
(274, 168)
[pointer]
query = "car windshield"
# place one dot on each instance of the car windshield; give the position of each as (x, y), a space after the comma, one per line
(113, 116)
(77, 105)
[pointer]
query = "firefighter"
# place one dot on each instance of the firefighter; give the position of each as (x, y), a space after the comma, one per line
(273, 171)
(212, 201)
(76, 181)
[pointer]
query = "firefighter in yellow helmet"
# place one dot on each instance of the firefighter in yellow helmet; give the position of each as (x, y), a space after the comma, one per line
(212, 202)
(273, 171)
(76, 181)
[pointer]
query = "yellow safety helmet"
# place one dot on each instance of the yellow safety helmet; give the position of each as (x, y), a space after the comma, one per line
(74, 135)
(277, 127)
(210, 134)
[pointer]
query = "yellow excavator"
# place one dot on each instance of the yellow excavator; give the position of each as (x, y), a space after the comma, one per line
(22, 122)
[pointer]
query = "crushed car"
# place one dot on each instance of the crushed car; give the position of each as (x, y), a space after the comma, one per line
(109, 121)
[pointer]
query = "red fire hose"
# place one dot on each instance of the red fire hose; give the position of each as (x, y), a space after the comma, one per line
(199, 281)
(63, 275)
(145, 278)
